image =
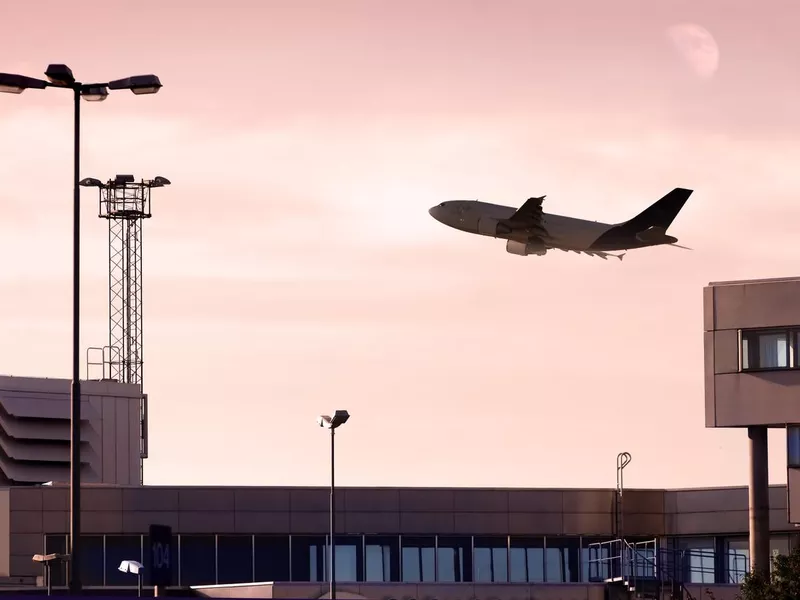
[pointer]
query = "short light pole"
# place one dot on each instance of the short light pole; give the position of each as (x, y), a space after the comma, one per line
(60, 76)
(135, 567)
(340, 417)
(48, 560)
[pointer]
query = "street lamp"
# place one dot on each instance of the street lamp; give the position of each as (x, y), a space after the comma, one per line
(48, 560)
(60, 76)
(135, 567)
(340, 417)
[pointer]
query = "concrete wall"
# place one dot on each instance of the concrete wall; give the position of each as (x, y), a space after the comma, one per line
(738, 399)
(35, 431)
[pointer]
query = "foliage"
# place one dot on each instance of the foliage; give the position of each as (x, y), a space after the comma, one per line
(783, 584)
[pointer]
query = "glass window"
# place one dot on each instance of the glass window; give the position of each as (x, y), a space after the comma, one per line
(56, 544)
(272, 558)
(738, 559)
(418, 559)
(198, 555)
(382, 558)
(793, 446)
(597, 558)
(349, 558)
(561, 559)
(92, 560)
(234, 559)
(454, 559)
(119, 548)
(765, 350)
(173, 559)
(698, 559)
(490, 560)
(309, 558)
(526, 560)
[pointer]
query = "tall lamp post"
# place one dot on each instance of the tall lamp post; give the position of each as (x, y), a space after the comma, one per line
(60, 76)
(340, 417)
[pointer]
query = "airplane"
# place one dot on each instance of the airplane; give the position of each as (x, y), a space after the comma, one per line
(529, 230)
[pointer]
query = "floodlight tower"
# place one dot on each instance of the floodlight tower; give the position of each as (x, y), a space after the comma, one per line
(125, 203)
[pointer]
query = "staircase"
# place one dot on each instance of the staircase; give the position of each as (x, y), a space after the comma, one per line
(639, 570)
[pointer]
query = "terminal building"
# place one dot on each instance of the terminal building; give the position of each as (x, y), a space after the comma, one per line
(415, 543)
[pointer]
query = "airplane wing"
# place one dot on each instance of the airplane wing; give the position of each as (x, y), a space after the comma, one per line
(528, 217)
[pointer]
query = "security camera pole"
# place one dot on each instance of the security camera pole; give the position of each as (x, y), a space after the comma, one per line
(340, 417)
(60, 76)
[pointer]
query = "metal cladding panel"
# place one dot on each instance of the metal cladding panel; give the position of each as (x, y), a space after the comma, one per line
(35, 430)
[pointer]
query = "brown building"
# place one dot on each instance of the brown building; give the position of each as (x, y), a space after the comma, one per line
(392, 543)
(752, 373)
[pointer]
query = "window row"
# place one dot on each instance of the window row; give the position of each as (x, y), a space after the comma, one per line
(225, 559)
(770, 349)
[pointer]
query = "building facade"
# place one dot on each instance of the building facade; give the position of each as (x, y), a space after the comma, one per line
(393, 537)
(35, 431)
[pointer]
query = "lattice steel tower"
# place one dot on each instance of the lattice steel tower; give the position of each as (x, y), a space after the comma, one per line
(125, 203)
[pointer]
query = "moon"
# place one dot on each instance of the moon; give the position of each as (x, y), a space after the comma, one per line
(697, 47)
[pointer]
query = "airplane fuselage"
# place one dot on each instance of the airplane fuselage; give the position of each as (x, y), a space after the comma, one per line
(562, 232)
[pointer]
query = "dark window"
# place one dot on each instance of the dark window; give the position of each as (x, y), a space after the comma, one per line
(596, 559)
(92, 560)
(454, 559)
(418, 559)
(173, 559)
(765, 349)
(382, 558)
(561, 559)
(309, 558)
(349, 558)
(526, 560)
(793, 446)
(738, 559)
(56, 544)
(119, 548)
(272, 558)
(235, 559)
(198, 560)
(490, 560)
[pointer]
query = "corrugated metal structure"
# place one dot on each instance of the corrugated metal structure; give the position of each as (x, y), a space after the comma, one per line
(35, 433)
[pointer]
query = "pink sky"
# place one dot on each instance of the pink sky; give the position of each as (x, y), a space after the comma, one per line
(293, 269)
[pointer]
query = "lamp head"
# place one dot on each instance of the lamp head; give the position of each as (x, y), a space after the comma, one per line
(340, 417)
(60, 75)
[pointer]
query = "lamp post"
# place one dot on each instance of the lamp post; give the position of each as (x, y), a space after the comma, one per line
(340, 417)
(136, 568)
(60, 76)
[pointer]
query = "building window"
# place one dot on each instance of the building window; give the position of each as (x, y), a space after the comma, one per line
(382, 558)
(561, 559)
(172, 558)
(418, 559)
(234, 559)
(92, 563)
(793, 446)
(490, 560)
(56, 544)
(526, 560)
(767, 349)
(454, 559)
(119, 548)
(198, 560)
(737, 560)
(309, 558)
(349, 558)
(597, 558)
(698, 559)
(272, 558)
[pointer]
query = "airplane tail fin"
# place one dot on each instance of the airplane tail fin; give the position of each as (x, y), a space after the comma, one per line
(662, 213)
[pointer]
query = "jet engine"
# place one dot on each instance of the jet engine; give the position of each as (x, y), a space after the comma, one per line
(524, 249)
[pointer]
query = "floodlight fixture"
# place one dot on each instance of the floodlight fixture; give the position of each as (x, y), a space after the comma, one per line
(48, 560)
(60, 75)
(94, 93)
(138, 84)
(339, 418)
(135, 568)
(16, 84)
